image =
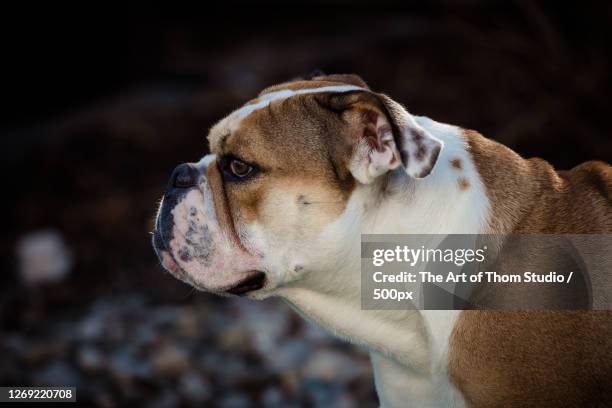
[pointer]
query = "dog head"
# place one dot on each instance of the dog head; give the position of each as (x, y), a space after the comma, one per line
(256, 214)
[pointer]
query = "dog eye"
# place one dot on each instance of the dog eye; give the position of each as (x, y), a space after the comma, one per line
(240, 169)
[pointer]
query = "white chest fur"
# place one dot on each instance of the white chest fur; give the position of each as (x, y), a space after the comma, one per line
(409, 348)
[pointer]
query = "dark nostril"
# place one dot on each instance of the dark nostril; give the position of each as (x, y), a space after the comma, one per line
(184, 176)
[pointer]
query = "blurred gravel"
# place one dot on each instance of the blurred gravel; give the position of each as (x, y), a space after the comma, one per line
(234, 353)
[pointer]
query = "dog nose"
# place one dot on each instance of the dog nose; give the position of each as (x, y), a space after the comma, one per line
(184, 176)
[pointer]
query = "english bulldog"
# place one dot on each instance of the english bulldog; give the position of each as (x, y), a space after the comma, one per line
(296, 175)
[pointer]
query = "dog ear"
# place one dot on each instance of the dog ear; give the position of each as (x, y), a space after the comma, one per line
(419, 149)
(383, 135)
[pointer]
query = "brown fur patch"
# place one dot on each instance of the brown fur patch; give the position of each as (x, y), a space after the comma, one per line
(536, 358)
(561, 201)
(456, 164)
(432, 161)
(463, 183)
(533, 358)
(421, 152)
(417, 136)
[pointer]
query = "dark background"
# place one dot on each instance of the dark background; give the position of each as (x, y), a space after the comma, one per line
(100, 104)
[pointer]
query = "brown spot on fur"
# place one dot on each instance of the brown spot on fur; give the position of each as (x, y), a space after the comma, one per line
(463, 183)
(432, 161)
(416, 136)
(302, 200)
(421, 148)
(457, 164)
(421, 152)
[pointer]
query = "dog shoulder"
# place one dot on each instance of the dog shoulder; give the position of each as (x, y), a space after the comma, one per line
(596, 176)
(530, 196)
(576, 201)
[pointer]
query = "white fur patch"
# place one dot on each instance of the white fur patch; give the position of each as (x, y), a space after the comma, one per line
(266, 99)
(206, 161)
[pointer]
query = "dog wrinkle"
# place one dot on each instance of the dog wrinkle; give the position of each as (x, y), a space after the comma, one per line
(302, 200)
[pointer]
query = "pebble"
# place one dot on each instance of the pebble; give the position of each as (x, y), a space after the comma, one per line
(125, 365)
(92, 327)
(170, 361)
(57, 373)
(289, 355)
(40, 351)
(194, 387)
(235, 400)
(167, 399)
(43, 258)
(333, 366)
(272, 397)
(227, 353)
(320, 393)
(90, 358)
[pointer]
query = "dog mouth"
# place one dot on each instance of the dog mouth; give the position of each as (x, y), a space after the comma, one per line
(255, 281)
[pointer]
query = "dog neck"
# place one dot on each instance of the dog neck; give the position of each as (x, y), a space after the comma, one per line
(451, 200)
